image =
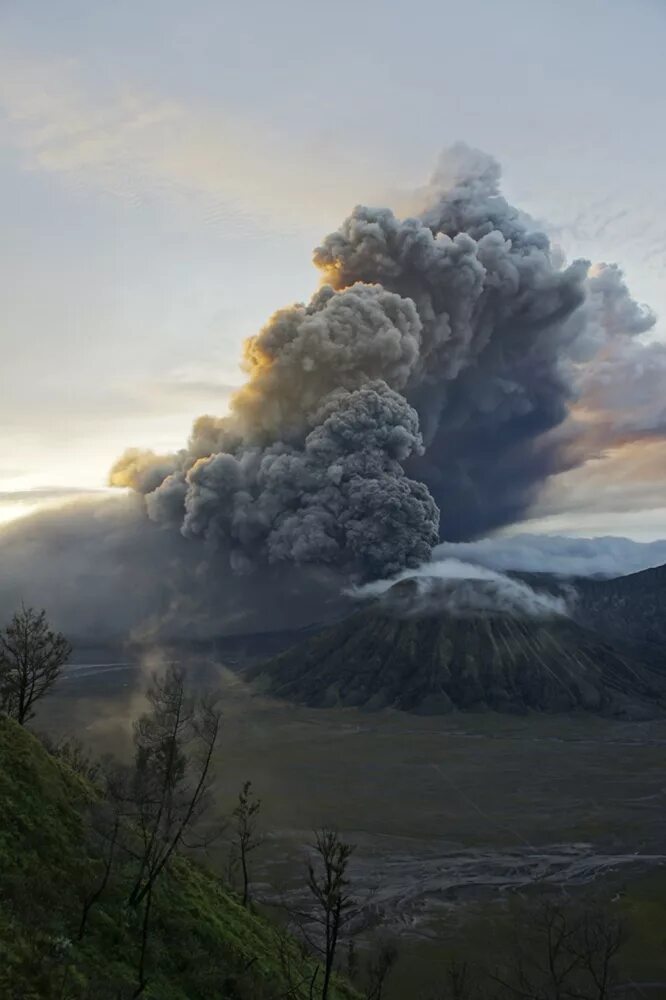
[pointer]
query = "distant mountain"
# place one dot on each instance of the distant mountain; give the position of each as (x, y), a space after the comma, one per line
(432, 661)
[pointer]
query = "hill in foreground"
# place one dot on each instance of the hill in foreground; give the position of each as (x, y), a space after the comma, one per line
(430, 660)
(204, 944)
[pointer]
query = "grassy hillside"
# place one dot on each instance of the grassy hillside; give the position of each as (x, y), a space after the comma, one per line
(204, 944)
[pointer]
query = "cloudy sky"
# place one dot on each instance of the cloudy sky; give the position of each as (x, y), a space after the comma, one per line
(167, 168)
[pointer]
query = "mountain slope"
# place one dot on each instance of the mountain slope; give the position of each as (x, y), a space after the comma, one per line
(630, 608)
(204, 945)
(440, 661)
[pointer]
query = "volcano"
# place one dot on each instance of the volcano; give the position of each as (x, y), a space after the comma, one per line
(438, 655)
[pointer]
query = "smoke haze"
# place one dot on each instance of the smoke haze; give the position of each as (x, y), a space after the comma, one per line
(103, 572)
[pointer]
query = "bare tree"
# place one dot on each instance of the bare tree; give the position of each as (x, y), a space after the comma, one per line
(142, 979)
(245, 826)
(328, 883)
(462, 983)
(297, 973)
(174, 745)
(104, 833)
(597, 941)
(379, 967)
(559, 952)
(565, 953)
(75, 754)
(31, 659)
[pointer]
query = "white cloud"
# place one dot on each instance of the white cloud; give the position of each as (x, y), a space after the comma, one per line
(606, 556)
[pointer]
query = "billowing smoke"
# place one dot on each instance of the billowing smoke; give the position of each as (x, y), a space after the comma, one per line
(340, 498)
(308, 468)
(436, 369)
(508, 337)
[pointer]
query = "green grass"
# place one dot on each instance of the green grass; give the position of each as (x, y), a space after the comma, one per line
(204, 944)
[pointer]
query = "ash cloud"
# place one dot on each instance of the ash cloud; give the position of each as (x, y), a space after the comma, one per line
(449, 364)
(308, 468)
(511, 341)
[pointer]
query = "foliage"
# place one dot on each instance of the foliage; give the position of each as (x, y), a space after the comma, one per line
(174, 744)
(245, 829)
(32, 656)
(329, 886)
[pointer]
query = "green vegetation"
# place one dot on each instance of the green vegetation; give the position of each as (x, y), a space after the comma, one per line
(101, 899)
(203, 944)
(32, 656)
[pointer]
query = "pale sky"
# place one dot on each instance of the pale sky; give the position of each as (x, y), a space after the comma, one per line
(167, 168)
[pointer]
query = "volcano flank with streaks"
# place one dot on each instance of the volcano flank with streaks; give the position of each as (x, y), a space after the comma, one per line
(455, 648)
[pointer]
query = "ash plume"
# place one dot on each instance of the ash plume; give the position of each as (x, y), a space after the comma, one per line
(437, 369)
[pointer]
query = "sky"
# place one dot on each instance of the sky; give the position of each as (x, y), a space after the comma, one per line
(167, 168)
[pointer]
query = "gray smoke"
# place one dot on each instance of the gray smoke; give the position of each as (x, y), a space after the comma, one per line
(505, 333)
(438, 367)
(339, 498)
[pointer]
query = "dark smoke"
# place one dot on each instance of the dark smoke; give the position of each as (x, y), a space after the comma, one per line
(503, 326)
(435, 369)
